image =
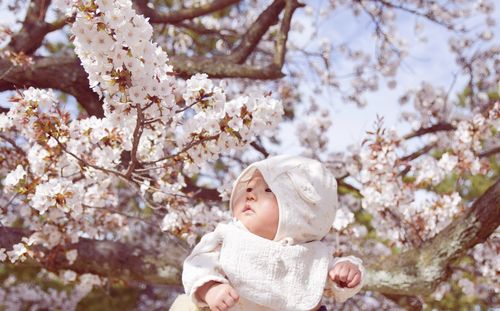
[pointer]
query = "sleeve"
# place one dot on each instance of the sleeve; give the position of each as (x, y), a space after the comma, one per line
(202, 266)
(342, 294)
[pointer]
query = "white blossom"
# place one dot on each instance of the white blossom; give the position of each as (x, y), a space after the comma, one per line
(171, 221)
(3, 256)
(17, 253)
(15, 176)
(343, 218)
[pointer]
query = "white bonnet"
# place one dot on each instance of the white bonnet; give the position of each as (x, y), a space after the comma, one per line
(306, 192)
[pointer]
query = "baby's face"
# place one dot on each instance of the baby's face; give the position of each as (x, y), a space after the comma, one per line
(257, 208)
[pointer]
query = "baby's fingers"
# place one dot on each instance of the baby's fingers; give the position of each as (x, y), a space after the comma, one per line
(350, 275)
(229, 301)
(234, 294)
(343, 273)
(222, 306)
(355, 280)
(334, 273)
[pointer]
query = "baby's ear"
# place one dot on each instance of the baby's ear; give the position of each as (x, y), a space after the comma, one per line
(303, 186)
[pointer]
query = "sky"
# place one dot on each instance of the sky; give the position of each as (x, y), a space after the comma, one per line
(430, 61)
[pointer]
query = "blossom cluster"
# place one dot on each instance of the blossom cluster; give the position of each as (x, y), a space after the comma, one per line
(68, 179)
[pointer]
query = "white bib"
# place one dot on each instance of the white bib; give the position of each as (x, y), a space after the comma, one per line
(273, 274)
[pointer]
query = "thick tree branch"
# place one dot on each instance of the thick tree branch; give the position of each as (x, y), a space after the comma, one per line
(220, 68)
(34, 29)
(182, 14)
(290, 7)
(416, 271)
(421, 269)
(254, 34)
(107, 258)
(64, 73)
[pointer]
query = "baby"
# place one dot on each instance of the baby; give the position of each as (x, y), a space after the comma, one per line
(271, 256)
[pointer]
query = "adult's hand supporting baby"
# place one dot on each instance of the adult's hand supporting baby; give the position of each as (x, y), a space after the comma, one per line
(218, 296)
(345, 274)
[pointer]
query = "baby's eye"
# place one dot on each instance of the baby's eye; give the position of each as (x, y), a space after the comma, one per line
(268, 190)
(249, 189)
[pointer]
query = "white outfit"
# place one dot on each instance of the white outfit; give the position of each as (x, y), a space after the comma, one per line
(290, 272)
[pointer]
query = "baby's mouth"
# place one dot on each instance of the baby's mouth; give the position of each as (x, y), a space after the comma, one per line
(247, 208)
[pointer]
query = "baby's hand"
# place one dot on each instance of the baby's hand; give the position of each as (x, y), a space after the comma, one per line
(345, 274)
(221, 297)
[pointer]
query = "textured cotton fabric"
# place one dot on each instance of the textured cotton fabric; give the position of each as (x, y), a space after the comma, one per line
(262, 273)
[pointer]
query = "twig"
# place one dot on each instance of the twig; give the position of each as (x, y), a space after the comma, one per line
(136, 139)
(13, 143)
(183, 150)
(487, 153)
(442, 126)
(4, 208)
(88, 164)
(260, 148)
(154, 223)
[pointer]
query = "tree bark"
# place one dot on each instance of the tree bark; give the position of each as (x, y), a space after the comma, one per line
(421, 270)
(414, 272)
(64, 73)
(107, 258)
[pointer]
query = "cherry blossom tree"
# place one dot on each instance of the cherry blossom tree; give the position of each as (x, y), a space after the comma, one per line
(127, 122)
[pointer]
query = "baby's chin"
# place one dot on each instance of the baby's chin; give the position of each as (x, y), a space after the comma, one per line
(244, 219)
(250, 226)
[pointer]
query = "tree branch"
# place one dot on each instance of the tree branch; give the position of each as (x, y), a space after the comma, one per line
(490, 152)
(219, 67)
(428, 15)
(434, 128)
(34, 29)
(201, 193)
(420, 270)
(182, 14)
(64, 73)
(13, 144)
(290, 7)
(135, 142)
(104, 258)
(254, 34)
(257, 146)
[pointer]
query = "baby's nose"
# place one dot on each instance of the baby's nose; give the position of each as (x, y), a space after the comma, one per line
(251, 196)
